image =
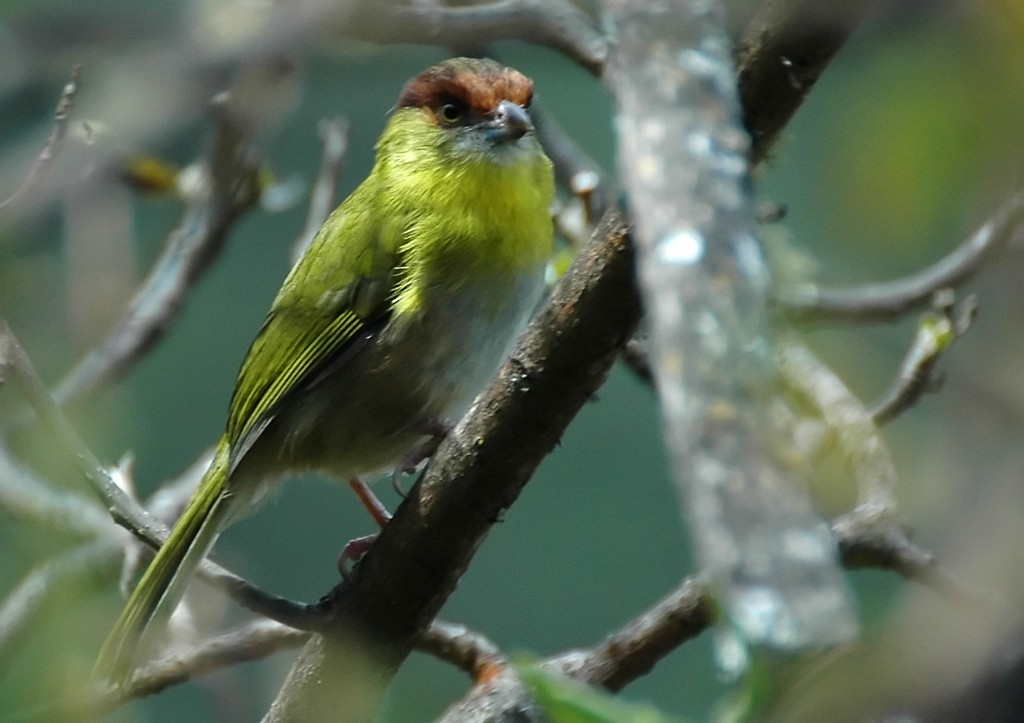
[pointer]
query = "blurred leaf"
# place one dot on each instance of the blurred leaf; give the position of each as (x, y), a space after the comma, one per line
(568, 701)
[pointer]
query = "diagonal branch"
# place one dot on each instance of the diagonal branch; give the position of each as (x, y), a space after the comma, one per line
(61, 118)
(476, 474)
(786, 47)
(229, 188)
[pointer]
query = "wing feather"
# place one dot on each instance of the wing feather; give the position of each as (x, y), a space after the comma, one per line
(331, 299)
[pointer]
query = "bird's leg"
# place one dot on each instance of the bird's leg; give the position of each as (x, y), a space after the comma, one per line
(375, 507)
(437, 429)
(355, 549)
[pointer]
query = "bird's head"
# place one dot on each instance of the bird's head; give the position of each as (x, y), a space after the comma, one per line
(475, 107)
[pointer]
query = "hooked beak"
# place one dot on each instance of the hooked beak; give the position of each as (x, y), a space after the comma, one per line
(511, 122)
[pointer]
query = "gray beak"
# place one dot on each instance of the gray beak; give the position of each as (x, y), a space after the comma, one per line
(511, 122)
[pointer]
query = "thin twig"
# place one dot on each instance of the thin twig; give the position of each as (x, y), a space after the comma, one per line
(892, 299)
(61, 118)
(635, 356)
(334, 138)
(917, 374)
(466, 649)
(870, 539)
(633, 650)
(15, 362)
(125, 510)
(254, 641)
(231, 186)
(97, 562)
(22, 495)
(866, 539)
(572, 162)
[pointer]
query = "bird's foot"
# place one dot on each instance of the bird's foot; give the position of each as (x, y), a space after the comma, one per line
(353, 552)
(437, 429)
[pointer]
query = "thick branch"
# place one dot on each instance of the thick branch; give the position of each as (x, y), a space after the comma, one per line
(785, 49)
(559, 24)
(478, 471)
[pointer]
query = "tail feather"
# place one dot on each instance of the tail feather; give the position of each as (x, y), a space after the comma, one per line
(164, 581)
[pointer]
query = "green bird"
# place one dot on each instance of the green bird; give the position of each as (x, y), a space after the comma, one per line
(394, 318)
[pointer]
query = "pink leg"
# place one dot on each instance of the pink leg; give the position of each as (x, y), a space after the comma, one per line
(375, 507)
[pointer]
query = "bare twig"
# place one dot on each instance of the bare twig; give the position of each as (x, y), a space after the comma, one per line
(572, 162)
(468, 650)
(870, 539)
(97, 561)
(559, 24)
(125, 510)
(14, 361)
(334, 137)
(917, 372)
(464, 648)
(61, 118)
(22, 495)
(632, 651)
(254, 641)
(231, 187)
(891, 299)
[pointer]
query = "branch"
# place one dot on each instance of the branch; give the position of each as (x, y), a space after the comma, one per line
(251, 642)
(464, 648)
(125, 509)
(870, 539)
(917, 374)
(865, 538)
(891, 299)
(476, 474)
(558, 24)
(97, 561)
(24, 496)
(633, 651)
(786, 47)
(229, 186)
(469, 651)
(61, 118)
(845, 417)
(334, 137)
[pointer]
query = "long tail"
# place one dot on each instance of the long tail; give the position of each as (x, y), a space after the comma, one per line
(163, 583)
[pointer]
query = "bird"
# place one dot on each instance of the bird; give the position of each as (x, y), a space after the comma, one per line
(393, 319)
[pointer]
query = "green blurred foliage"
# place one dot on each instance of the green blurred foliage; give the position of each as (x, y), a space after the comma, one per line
(565, 700)
(911, 138)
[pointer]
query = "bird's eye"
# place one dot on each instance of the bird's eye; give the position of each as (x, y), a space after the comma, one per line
(450, 113)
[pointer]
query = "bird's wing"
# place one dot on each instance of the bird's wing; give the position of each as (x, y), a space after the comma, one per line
(333, 300)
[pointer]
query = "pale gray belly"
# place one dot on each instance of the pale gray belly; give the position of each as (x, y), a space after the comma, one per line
(377, 405)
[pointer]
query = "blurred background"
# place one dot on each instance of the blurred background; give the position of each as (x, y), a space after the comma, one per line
(912, 138)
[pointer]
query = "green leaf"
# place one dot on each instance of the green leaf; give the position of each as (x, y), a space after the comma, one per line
(565, 700)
